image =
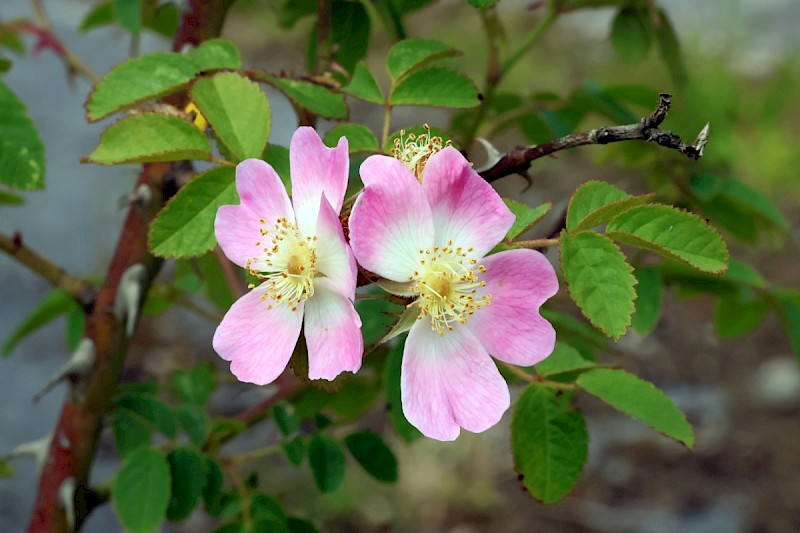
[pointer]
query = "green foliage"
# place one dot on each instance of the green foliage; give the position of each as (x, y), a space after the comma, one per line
(436, 86)
(141, 491)
(368, 448)
(391, 381)
(672, 233)
(597, 202)
(630, 34)
(639, 399)
(21, 149)
(549, 442)
(238, 111)
(670, 48)
(648, 303)
(327, 462)
(359, 138)
(788, 305)
(53, 305)
(6, 470)
(410, 55)
(195, 423)
(188, 473)
(363, 85)
(285, 419)
(317, 99)
(350, 27)
(738, 312)
(185, 227)
(150, 137)
(564, 358)
(526, 217)
(140, 414)
(129, 14)
(600, 281)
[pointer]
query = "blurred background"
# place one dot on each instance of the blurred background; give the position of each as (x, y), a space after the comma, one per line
(741, 395)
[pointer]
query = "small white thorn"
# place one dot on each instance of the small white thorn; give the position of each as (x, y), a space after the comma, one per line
(76, 369)
(37, 449)
(493, 156)
(140, 198)
(129, 296)
(66, 495)
(702, 139)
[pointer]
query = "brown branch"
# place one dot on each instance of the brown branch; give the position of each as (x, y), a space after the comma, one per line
(83, 292)
(517, 161)
(78, 428)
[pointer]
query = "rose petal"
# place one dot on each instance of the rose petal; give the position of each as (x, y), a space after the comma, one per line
(466, 209)
(448, 382)
(238, 232)
(258, 341)
(511, 328)
(261, 190)
(316, 169)
(334, 257)
(391, 220)
(333, 332)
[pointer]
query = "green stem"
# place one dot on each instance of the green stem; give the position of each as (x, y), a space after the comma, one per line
(387, 119)
(533, 37)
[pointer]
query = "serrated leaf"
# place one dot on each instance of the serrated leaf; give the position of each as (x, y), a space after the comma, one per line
(391, 379)
(368, 448)
(564, 358)
(130, 432)
(630, 34)
(600, 281)
(327, 462)
(359, 138)
(363, 85)
(755, 201)
(439, 87)
(54, 304)
(189, 475)
(549, 443)
(238, 111)
(21, 149)
(597, 202)
(194, 385)
(185, 227)
(672, 233)
(317, 99)
(526, 216)
(215, 54)
(141, 491)
(639, 399)
(128, 13)
(195, 423)
(148, 410)
(411, 54)
(150, 137)
(648, 302)
(737, 313)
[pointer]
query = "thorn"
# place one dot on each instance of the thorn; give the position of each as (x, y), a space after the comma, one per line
(76, 369)
(702, 139)
(493, 156)
(36, 449)
(129, 295)
(140, 198)
(66, 495)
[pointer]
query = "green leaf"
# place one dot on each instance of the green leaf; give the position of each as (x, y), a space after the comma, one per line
(216, 286)
(737, 313)
(195, 423)
(128, 13)
(185, 226)
(297, 525)
(526, 216)
(482, 4)
(76, 324)
(788, 304)
(267, 514)
(238, 111)
(377, 317)
(363, 85)
(359, 138)
(189, 475)
(581, 334)
(327, 463)
(21, 149)
(295, 450)
(670, 48)
(148, 410)
(6, 470)
(350, 33)
(368, 448)
(195, 385)
(130, 432)
(549, 442)
(412, 54)
(100, 15)
(597, 202)
(648, 302)
(630, 34)
(639, 399)
(212, 488)
(150, 137)
(317, 99)
(535, 129)
(215, 54)
(600, 281)
(755, 201)
(439, 87)
(742, 273)
(164, 20)
(53, 305)
(285, 418)
(394, 407)
(7, 198)
(672, 233)
(564, 358)
(278, 157)
(141, 491)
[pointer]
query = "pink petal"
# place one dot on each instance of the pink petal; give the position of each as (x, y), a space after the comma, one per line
(261, 190)
(238, 232)
(316, 169)
(448, 382)
(333, 332)
(258, 341)
(391, 220)
(466, 210)
(511, 328)
(334, 257)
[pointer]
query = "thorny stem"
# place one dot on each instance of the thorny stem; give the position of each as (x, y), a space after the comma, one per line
(517, 161)
(83, 292)
(73, 61)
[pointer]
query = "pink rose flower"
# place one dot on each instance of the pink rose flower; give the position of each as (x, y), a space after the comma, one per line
(430, 238)
(298, 251)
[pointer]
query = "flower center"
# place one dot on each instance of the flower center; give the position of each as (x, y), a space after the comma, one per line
(447, 283)
(415, 150)
(286, 264)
